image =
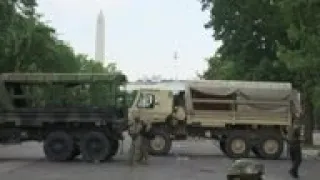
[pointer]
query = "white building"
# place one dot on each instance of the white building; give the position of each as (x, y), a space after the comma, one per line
(170, 85)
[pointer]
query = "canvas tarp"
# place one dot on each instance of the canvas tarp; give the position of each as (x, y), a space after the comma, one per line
(247, 90)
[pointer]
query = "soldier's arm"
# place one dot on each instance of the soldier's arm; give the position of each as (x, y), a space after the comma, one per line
(148, 127)
(130, 128)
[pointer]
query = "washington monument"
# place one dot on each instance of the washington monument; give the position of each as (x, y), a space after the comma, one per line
(100, 38)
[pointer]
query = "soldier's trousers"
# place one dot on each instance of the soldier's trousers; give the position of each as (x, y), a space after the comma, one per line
(144, 149)
(135, 152)
(296, 158)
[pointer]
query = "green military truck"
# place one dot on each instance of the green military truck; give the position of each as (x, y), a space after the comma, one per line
(243, 116)
(42, 107)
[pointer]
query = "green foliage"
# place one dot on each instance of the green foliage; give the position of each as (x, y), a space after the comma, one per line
(249, 30)
(29, 45)
(268, 40)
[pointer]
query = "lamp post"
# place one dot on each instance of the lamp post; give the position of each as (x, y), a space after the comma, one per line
(175, 57)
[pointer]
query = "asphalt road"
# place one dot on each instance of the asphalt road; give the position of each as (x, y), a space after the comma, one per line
(188, 160)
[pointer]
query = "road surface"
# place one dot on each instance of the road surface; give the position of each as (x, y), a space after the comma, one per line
(188, 160)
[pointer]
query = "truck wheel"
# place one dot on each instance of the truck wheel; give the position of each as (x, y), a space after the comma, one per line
(270, 146)
(58, 146)
(237, 146)
(114, 149)
(161, 144)
(95, 146)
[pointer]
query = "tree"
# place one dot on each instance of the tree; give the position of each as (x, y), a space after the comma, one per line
(267, 40)
(302, 56)
(102, 94)
(249, 31)
(26, 41)
(29, 45)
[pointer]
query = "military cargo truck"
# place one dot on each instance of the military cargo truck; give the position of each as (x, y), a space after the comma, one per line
(66, 127)
(243, 116)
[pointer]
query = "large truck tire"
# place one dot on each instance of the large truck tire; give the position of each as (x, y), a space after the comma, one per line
(161, 144)
(58, 146)
(95, 147)
(270, 146)
(113, 150)
(237, 145)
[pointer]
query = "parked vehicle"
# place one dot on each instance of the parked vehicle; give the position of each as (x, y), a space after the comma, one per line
(66, 127)
(243, 116)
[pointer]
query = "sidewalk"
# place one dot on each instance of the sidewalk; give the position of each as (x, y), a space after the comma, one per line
(311, 151)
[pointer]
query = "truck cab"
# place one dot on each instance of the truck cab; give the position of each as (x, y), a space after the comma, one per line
(163, 109)
(151, 105)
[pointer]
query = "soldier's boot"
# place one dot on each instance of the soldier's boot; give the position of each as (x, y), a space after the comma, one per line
(145, 159)
(131, 157)
(293, 173)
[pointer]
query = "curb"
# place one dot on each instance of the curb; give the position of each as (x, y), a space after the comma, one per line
(311, 153)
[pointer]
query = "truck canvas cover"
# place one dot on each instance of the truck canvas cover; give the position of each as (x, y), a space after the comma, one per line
(47, 79)
(269, 96)
(37, 107)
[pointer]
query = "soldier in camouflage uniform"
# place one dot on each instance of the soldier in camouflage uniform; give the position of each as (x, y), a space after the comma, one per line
(135, 128)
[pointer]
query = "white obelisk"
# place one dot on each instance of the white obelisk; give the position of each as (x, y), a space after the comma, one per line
(100, 39)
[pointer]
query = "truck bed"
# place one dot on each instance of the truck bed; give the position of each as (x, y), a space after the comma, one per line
(221, 118)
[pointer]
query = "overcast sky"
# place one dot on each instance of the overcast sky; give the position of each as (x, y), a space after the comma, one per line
(141, 35)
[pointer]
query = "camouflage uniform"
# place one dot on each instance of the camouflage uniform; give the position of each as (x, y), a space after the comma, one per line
(145, 141)
(295, 152)
(135, 128)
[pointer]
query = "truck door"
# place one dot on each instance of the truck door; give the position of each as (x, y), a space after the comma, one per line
(152, 105)
(147, 106)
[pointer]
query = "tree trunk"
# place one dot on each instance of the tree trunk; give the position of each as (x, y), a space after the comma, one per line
(308, 120)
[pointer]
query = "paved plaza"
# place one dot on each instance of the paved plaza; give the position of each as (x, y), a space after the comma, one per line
(188, 160)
